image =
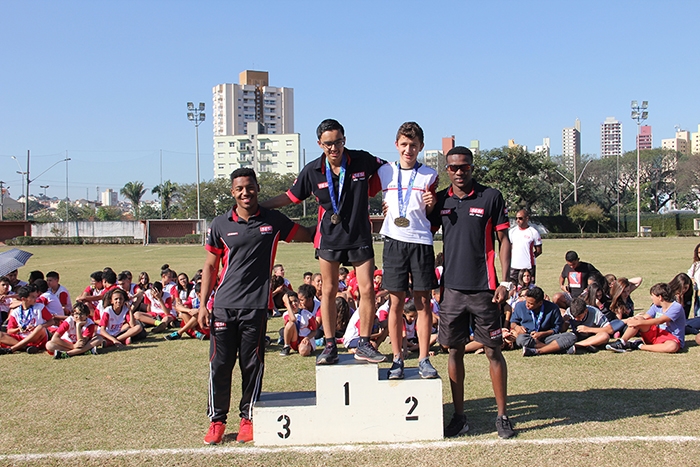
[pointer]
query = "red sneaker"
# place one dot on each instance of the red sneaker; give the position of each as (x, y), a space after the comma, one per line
(216, 433)
(245, 432)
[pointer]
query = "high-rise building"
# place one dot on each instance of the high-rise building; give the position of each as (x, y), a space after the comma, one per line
(571, 144)
(544, 147)
(431, 158)
(262, 152)
(474, 146)
(252, 100)
(109, 197)
(680, 143)
(610, 138)
(644, 140)
(695, 142)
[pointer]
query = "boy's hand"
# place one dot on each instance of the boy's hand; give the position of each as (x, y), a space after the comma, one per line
(429, 199)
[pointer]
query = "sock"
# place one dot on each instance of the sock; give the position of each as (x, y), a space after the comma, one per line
(364, 340)
(330, 341)
(157, 322)
(624, 342)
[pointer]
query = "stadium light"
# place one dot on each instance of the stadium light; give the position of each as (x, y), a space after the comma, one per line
(197, 116)
(639, 117)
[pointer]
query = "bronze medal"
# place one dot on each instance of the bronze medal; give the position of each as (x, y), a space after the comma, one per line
(335, 219)
(401, 222)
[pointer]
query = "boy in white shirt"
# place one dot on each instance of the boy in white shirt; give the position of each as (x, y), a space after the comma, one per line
(409, 195)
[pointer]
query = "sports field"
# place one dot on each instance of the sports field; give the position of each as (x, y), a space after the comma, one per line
(146, 405)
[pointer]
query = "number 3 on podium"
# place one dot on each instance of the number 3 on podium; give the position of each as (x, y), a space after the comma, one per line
(285, 426)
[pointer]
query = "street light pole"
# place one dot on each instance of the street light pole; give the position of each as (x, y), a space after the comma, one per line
(44, 187)
(196, 115)
(639, 114)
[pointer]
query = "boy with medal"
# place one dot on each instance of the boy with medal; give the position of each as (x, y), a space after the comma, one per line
(409, 195)
(340, 181)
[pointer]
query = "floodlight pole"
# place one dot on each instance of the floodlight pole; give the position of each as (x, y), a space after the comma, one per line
(196, 115)
(639, 114)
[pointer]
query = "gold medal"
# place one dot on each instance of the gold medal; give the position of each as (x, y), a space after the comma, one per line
(335, 219)
(401, 222)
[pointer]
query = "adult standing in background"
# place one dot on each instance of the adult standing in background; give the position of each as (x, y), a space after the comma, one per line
(526, 245)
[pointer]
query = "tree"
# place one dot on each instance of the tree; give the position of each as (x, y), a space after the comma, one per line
(108, 213)
(582, 214)
(169, 193)
(525, 179)
(134, 191)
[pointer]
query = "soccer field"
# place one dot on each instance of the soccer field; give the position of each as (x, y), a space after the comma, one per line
(147, 405)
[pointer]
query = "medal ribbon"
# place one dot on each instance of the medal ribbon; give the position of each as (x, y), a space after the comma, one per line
(403, 200)
(540, 316)
(335, 202)
(24, 321)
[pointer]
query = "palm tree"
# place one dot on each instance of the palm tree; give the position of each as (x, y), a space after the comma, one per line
(134, 191)
(167, 191)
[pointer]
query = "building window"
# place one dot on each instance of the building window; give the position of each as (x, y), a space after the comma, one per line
(275, 154)
(290, 154)
(222, 166)
(220, 144)
(290, 165)
(290, 142)
(232, 144)
(220, 155)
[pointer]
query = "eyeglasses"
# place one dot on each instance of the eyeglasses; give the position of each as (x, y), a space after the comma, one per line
(454, 168)
(331, 144)
(520, 218)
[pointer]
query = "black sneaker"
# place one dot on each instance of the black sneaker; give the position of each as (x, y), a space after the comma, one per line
(286, 350)
(33, 350)
(5, 351)
(396, 370)
(571, 350)
(458, 426)
(635, 345)
(366, 353)
(173, 336)
(60, 355)
(504, 427)
(529, 351)
(329, 356)
(617, 346)
(591, 349)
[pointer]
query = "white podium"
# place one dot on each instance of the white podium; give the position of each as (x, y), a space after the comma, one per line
(364, 405)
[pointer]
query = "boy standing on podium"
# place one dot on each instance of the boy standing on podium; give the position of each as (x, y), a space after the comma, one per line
(409, 196)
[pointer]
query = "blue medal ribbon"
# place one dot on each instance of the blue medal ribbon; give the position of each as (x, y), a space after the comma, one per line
(540, 316)
(24, 321)
(403, 200)
(335, 201)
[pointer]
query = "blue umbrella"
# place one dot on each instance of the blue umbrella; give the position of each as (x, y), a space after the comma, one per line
(13, 259)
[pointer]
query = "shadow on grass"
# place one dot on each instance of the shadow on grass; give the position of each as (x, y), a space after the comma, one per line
(546, 409)
(136, 346)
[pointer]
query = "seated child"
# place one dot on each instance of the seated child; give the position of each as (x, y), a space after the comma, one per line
(76, 335)
(299, 324)
(187, 312)
(590, 325)
(380, 329)
(159, 308)
(662, 327)
(118, 324)
(6, 295)
(410, 339)
(27, 326)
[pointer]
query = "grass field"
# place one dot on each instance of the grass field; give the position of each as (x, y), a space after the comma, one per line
(578, 410)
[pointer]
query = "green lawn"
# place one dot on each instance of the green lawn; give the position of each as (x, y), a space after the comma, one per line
(153, 395)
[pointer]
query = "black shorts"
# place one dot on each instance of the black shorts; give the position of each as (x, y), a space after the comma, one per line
(459, 309)
(346, 257)
(401, 258)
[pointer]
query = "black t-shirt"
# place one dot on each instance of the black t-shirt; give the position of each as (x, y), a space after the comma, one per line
(247, 251)
(469, 227)
(355, 230)
(578, 278)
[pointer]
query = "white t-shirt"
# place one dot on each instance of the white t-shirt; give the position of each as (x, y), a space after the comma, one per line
(418, 230)
(523, 243)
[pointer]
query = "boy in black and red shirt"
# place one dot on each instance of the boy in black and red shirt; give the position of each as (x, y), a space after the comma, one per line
(340, 181)
(243, 242)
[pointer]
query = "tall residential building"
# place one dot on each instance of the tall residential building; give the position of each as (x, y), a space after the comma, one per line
(262, 152)
(252, 100)
(680, 143)
(448, 142)
(431, 158)
(695, 142)
(544, 147)
(571, 144)
(474, 146)
(644, 140)
(610, 138)
(109, 197)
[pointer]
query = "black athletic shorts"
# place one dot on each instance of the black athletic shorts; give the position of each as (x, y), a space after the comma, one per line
(346, 257)
(401, 259)
(459, 309)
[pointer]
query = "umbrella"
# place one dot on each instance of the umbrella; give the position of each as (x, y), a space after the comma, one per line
(13, 259)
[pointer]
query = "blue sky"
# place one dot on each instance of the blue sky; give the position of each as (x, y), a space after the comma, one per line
(108, 82)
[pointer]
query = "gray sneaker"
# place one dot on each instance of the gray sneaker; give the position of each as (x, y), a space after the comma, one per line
(365, 352)
(396, 370)
(329, 356)
(504, 427)
(426, 370)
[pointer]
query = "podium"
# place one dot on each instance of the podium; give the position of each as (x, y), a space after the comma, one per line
(354, 402)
